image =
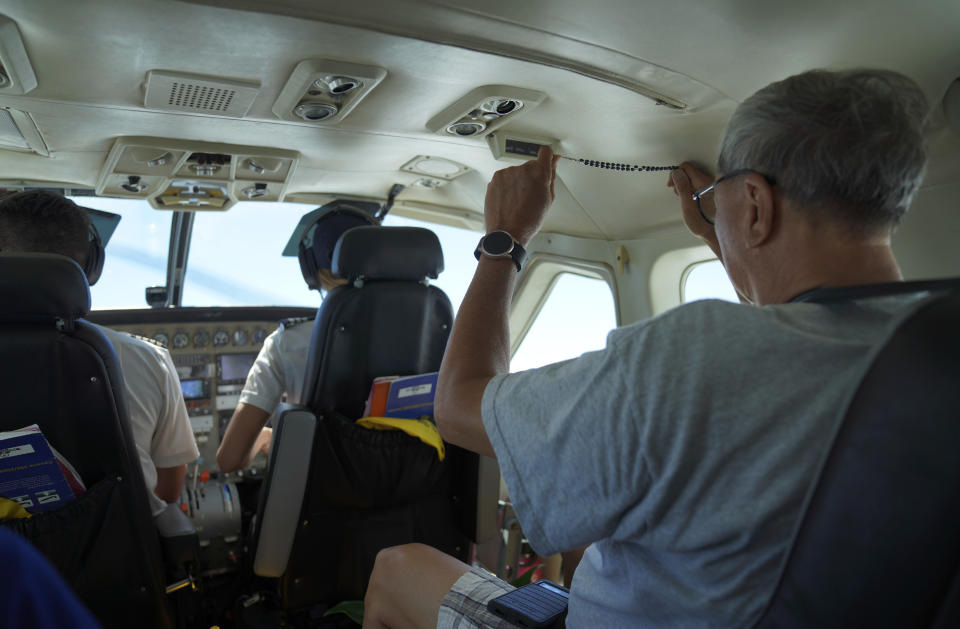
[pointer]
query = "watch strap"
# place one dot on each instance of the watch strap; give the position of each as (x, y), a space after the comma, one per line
(517, 253)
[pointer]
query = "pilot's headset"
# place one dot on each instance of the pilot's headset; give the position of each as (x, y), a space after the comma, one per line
(316, 246)
(95, 256)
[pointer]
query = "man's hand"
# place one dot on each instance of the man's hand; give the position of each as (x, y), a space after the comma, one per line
(262, 444)
(518, 197)
(686, 180)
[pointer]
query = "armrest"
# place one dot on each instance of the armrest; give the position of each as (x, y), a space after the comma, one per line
(284, 488)
(178, 536)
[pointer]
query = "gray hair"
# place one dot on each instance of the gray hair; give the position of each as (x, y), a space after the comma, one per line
(849, 143)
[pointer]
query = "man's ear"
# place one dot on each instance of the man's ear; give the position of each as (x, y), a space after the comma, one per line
(762, 211)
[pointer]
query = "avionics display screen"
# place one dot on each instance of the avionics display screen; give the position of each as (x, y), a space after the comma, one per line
(235, 366)
(193, 388)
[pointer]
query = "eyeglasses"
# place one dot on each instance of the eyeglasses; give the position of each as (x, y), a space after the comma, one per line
(713, 208)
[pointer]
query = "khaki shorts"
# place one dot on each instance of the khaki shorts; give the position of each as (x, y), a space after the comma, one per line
(465, 605)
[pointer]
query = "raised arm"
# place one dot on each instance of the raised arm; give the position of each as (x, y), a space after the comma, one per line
(479, 348)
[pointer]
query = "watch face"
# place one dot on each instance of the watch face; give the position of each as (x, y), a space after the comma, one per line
(497, 243)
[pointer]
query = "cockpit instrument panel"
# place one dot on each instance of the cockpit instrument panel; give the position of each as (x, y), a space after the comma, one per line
(212, 350)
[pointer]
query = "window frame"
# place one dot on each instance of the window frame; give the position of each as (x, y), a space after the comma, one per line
(537, 283)
(669, 273)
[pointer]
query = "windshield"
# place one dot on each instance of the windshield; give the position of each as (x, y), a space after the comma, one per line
(235, 256)
(136, 255)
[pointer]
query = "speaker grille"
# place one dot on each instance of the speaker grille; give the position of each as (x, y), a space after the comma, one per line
(193, 96)
(178, 92)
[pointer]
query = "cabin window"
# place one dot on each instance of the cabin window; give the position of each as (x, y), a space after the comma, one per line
(707, 280)
(576, 317)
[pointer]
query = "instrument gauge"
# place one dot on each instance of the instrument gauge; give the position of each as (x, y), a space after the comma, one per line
(180, 340)
(221, 338)
(259, 335)
(162, 338)
(240, 337)
(201, 338)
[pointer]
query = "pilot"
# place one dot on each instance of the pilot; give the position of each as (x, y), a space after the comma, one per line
(46, 222)
(683, 452)
(281, 365)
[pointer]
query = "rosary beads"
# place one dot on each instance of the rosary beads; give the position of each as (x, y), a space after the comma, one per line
(617, 166)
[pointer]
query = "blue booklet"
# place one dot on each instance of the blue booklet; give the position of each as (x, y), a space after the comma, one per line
(31, 472)
(411, 397)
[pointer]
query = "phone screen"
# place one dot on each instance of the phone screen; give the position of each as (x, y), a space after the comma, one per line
(537, 604)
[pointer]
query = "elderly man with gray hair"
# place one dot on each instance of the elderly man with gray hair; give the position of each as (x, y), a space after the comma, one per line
(690, 442)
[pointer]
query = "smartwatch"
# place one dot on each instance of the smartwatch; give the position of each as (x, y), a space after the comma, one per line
(500, 244)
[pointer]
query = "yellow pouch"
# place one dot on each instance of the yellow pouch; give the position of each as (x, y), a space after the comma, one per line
(11, 510)
(423, 429)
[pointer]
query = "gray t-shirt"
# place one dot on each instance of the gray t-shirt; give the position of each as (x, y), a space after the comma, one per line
(682, 453)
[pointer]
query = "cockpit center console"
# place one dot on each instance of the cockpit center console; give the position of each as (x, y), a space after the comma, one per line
(212, 350)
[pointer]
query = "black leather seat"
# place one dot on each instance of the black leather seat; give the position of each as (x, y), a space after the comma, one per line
(879, 543)
(60, 372)
(336, 493)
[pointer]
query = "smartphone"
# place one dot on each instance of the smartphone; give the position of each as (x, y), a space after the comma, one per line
(538, 604)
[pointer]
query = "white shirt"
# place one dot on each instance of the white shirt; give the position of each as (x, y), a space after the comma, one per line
(158, 416)
(280, 367)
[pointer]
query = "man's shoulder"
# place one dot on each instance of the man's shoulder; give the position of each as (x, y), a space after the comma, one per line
(294, 332)
(293, 322)
(689, 316)
(126, 342)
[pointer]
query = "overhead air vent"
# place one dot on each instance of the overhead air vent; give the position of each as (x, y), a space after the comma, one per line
(484, 110)
(321, 91)
(198, 94)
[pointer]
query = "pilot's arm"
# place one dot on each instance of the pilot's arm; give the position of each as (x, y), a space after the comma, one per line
(479, 347)
(170, 482)
(244, 437)
(246, 434)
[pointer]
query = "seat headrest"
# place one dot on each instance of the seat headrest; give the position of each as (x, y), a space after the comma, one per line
(40, 285)
(388, 253)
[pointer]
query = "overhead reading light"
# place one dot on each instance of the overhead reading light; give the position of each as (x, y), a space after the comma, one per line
(315, 112)
(466, 128)
(501, 106)
(338, 84)
(325, 91)
(484, 109)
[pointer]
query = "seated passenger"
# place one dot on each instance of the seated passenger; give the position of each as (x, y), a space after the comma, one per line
(45, 222)
(281, 365)
(683, 452)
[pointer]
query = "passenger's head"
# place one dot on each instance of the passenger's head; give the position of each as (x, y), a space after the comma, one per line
(318, 242)
(39, 221)
(846, 145)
